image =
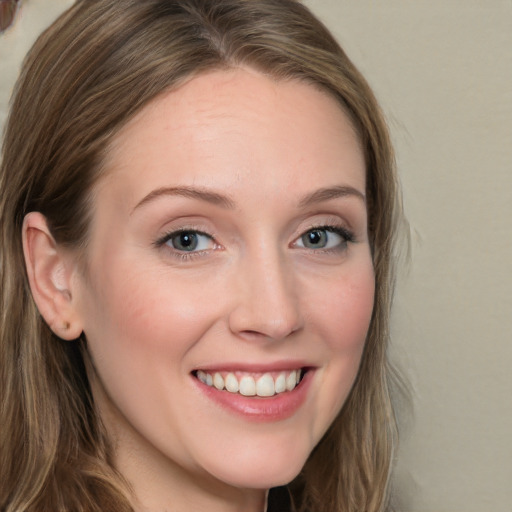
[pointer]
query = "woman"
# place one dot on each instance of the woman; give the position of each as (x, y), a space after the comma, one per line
(198, 211)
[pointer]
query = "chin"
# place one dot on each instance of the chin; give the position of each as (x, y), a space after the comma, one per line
(255, 468)
(261, 478)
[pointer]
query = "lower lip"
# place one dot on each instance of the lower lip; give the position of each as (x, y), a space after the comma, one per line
(276, 408)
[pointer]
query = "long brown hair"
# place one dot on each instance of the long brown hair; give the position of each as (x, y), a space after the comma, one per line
(86, 76)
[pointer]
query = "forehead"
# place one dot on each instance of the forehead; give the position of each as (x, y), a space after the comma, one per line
(238, 121)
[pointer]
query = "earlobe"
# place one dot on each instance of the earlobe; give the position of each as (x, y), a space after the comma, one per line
(50, 271)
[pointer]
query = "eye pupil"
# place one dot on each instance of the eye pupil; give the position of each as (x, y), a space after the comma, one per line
(315, 238)
(185, 241)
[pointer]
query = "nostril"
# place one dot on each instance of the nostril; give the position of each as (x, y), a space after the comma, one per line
(269, 332)
(253, 334)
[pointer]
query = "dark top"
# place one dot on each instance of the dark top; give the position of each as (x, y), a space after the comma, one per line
(279, 500)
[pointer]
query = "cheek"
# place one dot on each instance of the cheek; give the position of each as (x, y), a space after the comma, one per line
(140, 326)
(138, 307)
(347, 308)
(344, 312)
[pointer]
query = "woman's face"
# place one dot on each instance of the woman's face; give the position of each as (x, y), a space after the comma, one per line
(228, 249)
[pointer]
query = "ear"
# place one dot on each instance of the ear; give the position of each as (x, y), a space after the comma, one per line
(50, 272)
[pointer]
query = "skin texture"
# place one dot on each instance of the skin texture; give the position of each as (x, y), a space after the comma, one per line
(252, 294)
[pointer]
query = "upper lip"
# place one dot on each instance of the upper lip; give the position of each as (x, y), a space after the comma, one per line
(275, 366)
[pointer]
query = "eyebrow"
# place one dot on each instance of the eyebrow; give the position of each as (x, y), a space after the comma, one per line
(328, 193)
(318, 196)
(190, 192)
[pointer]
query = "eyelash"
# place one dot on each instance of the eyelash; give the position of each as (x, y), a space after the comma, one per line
(346, 235)
(183, 255)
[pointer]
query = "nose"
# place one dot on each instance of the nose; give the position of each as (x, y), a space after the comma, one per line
(266, 302)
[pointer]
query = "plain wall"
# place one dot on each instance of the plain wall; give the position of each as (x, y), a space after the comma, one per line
(442, 70)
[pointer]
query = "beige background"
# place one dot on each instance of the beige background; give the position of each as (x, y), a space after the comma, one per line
(442, 70)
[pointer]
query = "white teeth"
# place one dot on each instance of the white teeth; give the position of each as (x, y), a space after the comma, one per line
(231, 383)
(218, 381)
(265, 386)
(291, 381)
(280, 385)
(247, 386)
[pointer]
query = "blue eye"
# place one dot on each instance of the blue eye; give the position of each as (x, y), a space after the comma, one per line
(188, 241)
(325, 238)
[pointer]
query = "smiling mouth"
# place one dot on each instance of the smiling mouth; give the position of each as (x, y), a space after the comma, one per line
(252, 384)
